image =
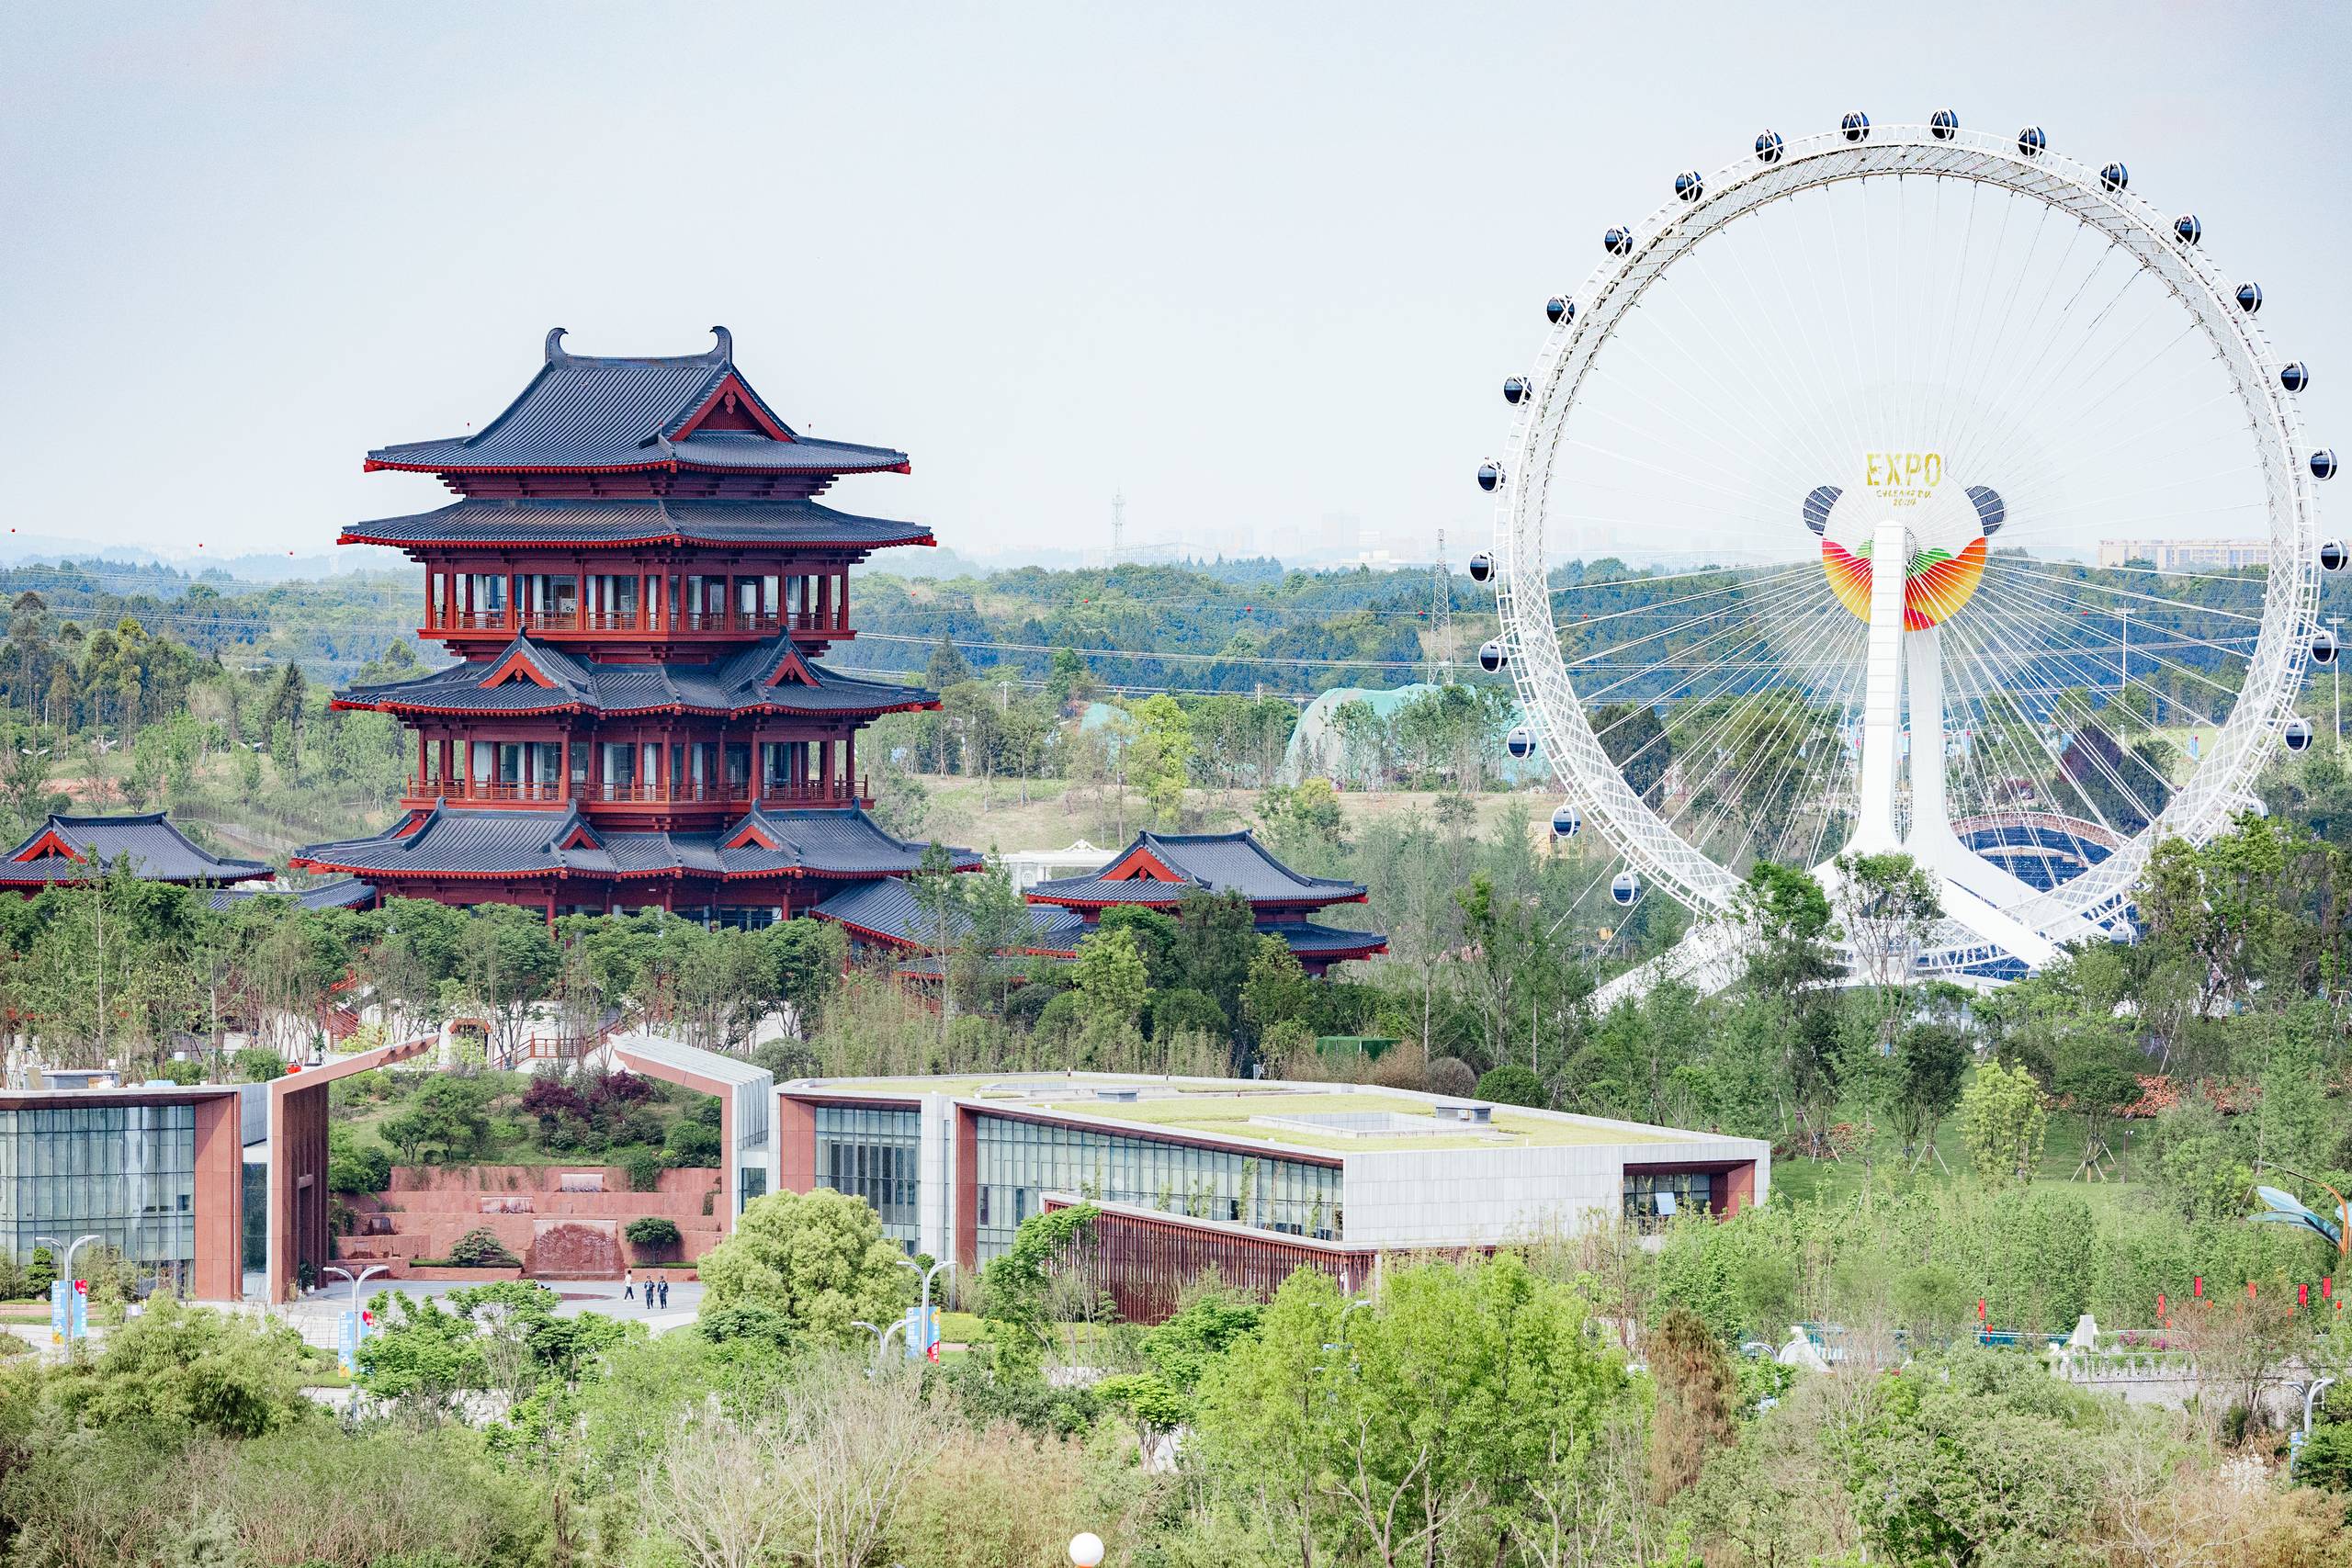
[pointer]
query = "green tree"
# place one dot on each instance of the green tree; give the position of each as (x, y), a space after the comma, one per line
(817, 1257)
(1216, 938)
(2003, 1118)
(1467, 1405)
(1160, 757)
(1929, 1064)
(1511, 1084)
(1277, 990)
(1110, 980)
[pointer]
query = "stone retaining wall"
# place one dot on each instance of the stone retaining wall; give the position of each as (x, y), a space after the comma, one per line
(559, 1233)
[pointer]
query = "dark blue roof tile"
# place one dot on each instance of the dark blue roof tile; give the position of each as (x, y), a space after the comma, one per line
(1213, 863)
(157, 851)
(647, 519)
(582, 412)
(737, 683)
(449, 841)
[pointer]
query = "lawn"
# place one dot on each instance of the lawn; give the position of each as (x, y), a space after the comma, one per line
(1798, 1179)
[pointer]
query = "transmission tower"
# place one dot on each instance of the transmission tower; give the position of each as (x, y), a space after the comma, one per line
(1118, 522)
(1441, 619)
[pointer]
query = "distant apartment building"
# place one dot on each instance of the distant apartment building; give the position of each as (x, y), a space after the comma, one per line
(2186, 555)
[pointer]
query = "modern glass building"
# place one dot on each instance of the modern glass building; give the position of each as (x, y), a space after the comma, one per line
(1248, 1178)
(874, 1153)
(124, 1173)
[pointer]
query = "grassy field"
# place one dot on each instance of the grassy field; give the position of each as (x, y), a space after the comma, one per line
(1796, 1179)
(992, 815)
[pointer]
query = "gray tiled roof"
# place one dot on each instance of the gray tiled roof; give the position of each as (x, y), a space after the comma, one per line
(737, 683)
(1305, 938)
(887, 908)
(349, 893)
(449, 841)
(650, 520)
(158, 851)
(584, 412)
(1214, 862)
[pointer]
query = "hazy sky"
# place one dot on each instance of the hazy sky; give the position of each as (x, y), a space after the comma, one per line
(1261, 265)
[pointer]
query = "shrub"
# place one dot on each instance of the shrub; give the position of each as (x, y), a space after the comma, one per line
(692, 1145)
(1451, 1076)
(1021, 1008)
(181, 1073)
(479, 1248)
(354, 1168)
(644, 1167)
(1179, 1011)
(256, 1065)
(652, 1233)
(1058, 1016)
(1511, 1084)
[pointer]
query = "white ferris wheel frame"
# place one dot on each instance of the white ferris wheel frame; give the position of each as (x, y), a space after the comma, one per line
(2222, 785)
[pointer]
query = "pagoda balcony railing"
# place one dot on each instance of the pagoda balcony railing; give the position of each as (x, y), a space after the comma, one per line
(489, 789)
(708, 623)
(732, 793)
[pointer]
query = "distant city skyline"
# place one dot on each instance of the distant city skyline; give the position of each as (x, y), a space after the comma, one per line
(1260, 272)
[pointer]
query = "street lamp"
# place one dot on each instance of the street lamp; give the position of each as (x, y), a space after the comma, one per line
(65, 1274)
(881, 1338)
(357, 1279)
(65, 1265)
(910, 1263)
(1086, 1548)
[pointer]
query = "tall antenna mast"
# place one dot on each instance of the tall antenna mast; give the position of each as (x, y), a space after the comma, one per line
(1118, 522)
(1440, 618)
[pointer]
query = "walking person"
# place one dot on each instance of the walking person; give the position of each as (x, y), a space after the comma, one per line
(665, 1292)
(629, 1284)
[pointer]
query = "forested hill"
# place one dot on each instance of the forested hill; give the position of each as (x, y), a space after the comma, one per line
(330, 628)
(1232, 627)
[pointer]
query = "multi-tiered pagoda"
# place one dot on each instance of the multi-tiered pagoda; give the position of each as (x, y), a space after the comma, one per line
(638, 584)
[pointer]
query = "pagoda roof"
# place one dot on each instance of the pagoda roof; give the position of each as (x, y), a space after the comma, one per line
(346, 893)
(1305, 938)
(648, 519)
(886, 909)
(65, 850)
(528, 677)
(690, 411)
(1160, 869)
(449, 843)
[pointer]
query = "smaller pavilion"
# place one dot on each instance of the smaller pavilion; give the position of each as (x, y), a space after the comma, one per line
(66, 852)
(1159, 870)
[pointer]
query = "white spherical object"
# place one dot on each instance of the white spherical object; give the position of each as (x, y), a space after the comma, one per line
(1086, 1548)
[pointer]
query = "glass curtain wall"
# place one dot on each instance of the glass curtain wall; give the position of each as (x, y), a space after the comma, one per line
(1020, 1161)
(874, 1153)
(124, 1173)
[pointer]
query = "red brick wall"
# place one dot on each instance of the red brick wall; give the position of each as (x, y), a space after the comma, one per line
(220, 1200)
(796, 1131)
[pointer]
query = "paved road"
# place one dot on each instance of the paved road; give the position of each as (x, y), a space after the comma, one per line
(323, 1309)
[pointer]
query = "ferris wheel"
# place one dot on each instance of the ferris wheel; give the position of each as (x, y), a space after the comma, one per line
(2001, 371)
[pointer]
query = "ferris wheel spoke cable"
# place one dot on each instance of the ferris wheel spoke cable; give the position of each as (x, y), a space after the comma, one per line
(2062, 618)
(2009, 566)
(1725, 626)
(1817, 450)
(1684, 652)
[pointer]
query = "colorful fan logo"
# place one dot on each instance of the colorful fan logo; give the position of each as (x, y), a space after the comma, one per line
(1936, 583)
(1947, 527)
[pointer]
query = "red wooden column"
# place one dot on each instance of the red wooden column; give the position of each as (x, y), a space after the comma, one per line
(849, 760)
(419, 761)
